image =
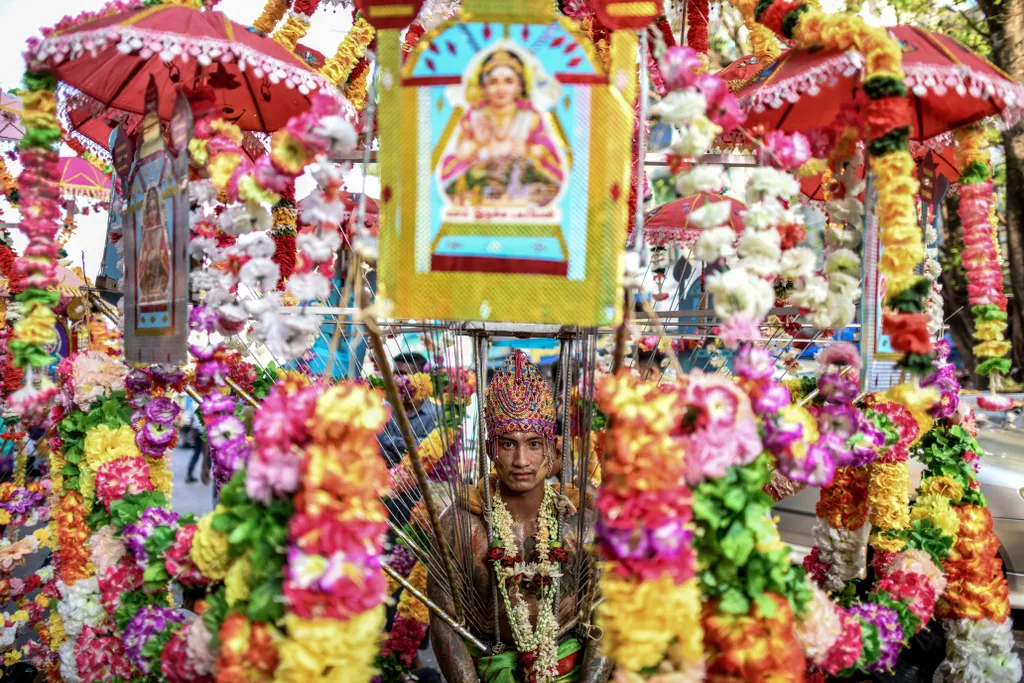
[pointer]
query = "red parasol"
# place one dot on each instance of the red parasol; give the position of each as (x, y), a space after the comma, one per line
(669, 224)
(944, 159)
(259, 84)
(744, 68)
(79, 178)
(950, 86)
(89, 122)
(11, 128)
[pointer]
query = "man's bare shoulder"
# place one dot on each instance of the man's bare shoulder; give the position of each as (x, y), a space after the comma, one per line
(457, 521)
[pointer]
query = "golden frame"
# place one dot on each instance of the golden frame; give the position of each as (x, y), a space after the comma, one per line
(594, 300)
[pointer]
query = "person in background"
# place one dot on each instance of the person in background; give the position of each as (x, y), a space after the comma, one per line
(648, 363)
(423, 416)
(197, 434)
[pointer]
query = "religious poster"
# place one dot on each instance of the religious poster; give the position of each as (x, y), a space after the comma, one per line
(505, 196)
(155, 234)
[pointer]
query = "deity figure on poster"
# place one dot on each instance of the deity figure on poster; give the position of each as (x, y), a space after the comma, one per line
(503, 154)
(154, 265)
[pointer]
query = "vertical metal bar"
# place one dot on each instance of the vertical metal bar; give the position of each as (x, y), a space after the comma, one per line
(485, 470)
(564, 361)
(869, 302)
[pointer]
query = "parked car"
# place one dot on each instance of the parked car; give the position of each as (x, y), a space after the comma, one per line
(1002, 482)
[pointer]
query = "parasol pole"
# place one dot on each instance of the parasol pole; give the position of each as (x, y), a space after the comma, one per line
(869, 301)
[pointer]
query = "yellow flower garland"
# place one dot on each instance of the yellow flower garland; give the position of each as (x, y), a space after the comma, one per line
(351, 48)
(271, 16)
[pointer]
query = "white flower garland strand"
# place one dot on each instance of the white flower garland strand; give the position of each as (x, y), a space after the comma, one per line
(543, 639)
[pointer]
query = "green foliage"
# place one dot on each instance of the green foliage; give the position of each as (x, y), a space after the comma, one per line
(740, 557)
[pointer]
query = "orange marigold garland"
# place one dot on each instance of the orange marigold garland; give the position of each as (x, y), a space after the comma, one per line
(296, 25)
(273, 13)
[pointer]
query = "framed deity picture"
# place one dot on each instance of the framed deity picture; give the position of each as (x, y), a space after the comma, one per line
(155, 234)
(505, 162)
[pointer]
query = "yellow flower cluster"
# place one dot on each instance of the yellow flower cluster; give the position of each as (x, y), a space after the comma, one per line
(345, 409)
(355, 91)
(410, 606)
(103, 445)
(765, 44)
(641, 619)
(291, 32)
(897, 217)
(238, 581)
(937, 508)
(37, 325)
(329, 650)
(160, 476)
(795, 414)
(889, 496)
(352, 47)
(272, 14)
(210, 548)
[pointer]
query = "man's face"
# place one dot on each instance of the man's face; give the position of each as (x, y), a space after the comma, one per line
(521, 460)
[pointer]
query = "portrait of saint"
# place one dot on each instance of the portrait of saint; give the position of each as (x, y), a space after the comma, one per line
(154, 260)
(502, 153)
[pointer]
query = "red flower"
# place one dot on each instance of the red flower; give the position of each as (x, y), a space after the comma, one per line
(908, 332)
(496, 554)
(559, 554)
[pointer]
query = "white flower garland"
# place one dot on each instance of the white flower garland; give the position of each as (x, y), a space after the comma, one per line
(541, 640)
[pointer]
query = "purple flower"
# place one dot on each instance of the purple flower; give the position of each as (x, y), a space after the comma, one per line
(147, 446)
(772, 400)
(211, 374)
(218, 404)
(22, 501)
(779, 436)
(137, 381)
(839, 419)
(402, 560)
(835, 388)
(162, 410)
(158, 434)
(167, 374)
(202, 319)
(753, 363)
(224, 430)
(149, 621)
(135, 534)
(837, 448)
(891, 633)
(203, 352)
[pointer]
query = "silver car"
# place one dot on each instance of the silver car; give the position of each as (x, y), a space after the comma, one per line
(1002, 482)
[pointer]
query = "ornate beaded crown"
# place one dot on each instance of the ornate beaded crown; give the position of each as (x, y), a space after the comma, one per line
(519, 400)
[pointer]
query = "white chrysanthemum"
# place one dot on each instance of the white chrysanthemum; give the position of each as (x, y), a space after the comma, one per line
(840, 549)
(68, 663)
(738, 291)
(980, 651)
(841, 310)
(681, 107)
(848, 210)
(260, 274)
(843, 261)
(202, 280)
(261, 306)
(316, 209)
(695, 139)
(204, 246)
(320, 248)
(233, 312)
(201, 191)
(797, 262)
(715, 244)
(770, 182)
(80, 605)
(838, 236)
(710, 215)
(811, 294)
(766, 214)
(288, 335)
(341, 135)
(309, 286)
(844, 285)
(240, 219)
(759, 252)
(701, 178)
(255, 245)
